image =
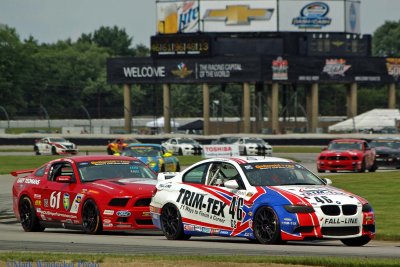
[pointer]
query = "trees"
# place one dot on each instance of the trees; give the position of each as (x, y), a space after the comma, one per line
(386, 39)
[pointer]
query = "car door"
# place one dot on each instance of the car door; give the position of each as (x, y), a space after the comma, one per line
(44, 146)
(60, 199)
(205, 204)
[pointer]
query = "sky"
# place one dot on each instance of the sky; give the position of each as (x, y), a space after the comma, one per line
(51, 20)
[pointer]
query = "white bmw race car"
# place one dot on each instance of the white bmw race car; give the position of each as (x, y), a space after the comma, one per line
(270, 200)
(253, 146)
(54, 146)
(183, 146)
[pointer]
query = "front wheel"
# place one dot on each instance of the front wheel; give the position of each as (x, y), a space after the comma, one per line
(178, 167)
(36, 150)
(171, 223)
(91, 220)
(266, 226)
(109, 151)
(54, 151)
(180, 152)
(29, 220)
(356, 242)
(362, 168)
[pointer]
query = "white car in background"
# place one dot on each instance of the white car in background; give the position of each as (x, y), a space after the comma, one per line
(183, 146)
(54, 146)
(253, 146)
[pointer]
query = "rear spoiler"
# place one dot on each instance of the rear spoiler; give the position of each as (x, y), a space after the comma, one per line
(16, 173)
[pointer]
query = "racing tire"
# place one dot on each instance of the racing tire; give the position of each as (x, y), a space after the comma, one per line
(53, 150)
(373, 168)
(333, 171)
(356, 242)
(29, 220)
(36, 150)
(320, 170)
(162, 169)
(266, 226)
(244, 152)
(180, 152)
(109, 151)
(171, 223)
(362, 169)
(91, 220)
(178, 167)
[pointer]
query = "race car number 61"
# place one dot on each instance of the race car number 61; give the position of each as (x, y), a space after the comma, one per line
(55, 199)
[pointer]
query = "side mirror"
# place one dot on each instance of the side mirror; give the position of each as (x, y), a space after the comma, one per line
(327, 181)
(231, 184)
(64, 179)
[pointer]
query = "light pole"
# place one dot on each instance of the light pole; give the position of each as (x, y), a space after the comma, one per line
(47, 116)
(89, 118)
(5, 113)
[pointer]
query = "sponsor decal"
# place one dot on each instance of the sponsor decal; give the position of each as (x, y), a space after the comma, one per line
(223, 232)
(66, 201)
(198, 228)
(188, 16)
(165, 186)
(76, 203)
(313, 16)
(336, 67)
(318, 192)
(123, 213)
(108, 212)
(37, 196)
(108, 225)
(280, 68)
(28, 181)
(146, 213)
(106, 221)
(46, 203)
(341, 221)
(188, 227)
(206, 230)
(182, 71)
(57, 214)
(210, 151)
(38, 202)
(393, 67)
(238, 14)
(215, 231)
(195, 203)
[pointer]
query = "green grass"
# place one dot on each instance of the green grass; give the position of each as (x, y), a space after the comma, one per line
(297, 149)
(185, 260)
(382, 190)
(33, 130)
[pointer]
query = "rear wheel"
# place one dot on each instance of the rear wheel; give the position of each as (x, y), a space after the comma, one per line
(54, 151)
(91, 220)
(356, 242)
(109, 151)
(362, 168)
(245, 151)
(171, 223)
(373, 168)
(36, 150)
(178, 167)
(29, 220)
(266, 226)
(180, 152)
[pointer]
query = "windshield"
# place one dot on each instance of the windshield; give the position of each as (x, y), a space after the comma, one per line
(187, 141)
(142, 151)
(345, 146)
(57, 140)
(108, 169)
(279, 173)
(389, 144)
(254, 141)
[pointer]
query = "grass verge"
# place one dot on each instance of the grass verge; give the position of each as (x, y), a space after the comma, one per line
(184, 260)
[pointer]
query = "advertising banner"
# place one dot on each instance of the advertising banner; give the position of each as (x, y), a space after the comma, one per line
(353, 16)
(220, 151)
(239, 16)
(216, 16)
(312, 16)
(147, 70)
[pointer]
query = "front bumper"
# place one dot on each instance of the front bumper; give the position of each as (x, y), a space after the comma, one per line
(339, 165)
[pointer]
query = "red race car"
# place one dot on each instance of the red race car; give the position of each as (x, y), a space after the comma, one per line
(347, 155)
(92, 193)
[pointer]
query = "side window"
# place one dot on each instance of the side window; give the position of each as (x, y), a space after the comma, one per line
(40, 171)
(196, 175)
(223, 172)
(60, 169)
(173, 141)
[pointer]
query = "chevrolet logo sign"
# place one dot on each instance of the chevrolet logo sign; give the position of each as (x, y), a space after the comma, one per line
(238, 15)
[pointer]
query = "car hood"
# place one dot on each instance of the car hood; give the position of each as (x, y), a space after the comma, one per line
(125, 186)
(382, 149)
(304, 194)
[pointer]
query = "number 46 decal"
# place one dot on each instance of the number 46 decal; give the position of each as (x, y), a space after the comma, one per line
(323, 199)
(235, 209)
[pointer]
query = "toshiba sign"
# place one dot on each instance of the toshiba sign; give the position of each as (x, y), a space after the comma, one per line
(220, 151)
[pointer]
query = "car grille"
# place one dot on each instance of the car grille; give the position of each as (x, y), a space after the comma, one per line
(340, 231)
(143, 202)
(334, 210)
(337, 158)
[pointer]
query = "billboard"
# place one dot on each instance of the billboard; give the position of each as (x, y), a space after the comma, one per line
(319, 16)
(216, 16)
